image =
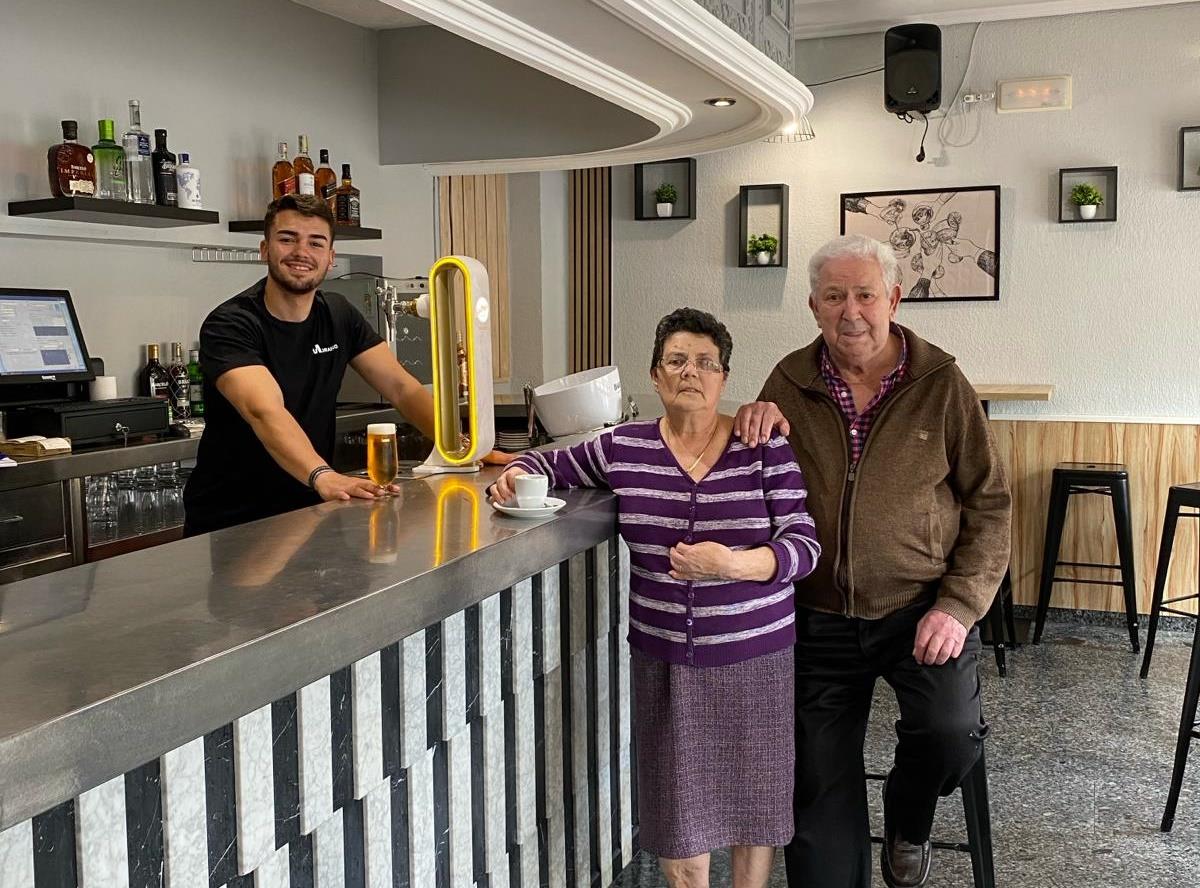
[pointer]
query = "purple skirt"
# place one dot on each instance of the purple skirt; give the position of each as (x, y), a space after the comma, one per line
(715, 754)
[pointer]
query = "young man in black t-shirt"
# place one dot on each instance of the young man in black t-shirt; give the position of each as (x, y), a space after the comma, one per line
(273, 359)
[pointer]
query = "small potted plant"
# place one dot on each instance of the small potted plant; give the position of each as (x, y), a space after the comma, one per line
(665, 196)
(763, 248)
(1086, 197)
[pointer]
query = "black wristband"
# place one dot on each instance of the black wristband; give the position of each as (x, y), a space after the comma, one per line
(316, 473)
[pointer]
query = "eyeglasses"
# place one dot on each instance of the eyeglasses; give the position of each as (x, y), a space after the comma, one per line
(676, 363)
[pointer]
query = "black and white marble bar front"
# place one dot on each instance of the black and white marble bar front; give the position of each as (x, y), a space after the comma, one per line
(415, 692)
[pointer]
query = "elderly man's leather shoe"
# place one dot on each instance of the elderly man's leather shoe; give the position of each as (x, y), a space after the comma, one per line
(904, 865)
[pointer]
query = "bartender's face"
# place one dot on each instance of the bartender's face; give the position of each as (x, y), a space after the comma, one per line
(298, 252)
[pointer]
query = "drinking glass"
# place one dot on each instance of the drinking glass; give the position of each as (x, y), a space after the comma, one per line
(172, 502)
(126, 503)
(148, 517)
(382, 459)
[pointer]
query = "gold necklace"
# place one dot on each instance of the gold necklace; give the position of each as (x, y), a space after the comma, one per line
(689, 469)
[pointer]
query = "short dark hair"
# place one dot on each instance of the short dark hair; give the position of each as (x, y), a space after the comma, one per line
(304, 204)
(692, 320)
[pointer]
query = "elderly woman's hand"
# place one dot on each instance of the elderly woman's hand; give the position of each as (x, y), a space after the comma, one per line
(756, 421)
(502, 489)
(703, 561)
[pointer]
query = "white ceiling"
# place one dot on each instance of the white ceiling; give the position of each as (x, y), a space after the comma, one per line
(364, 13)
(829, 18)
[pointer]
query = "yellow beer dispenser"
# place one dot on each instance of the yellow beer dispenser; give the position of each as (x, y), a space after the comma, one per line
(452, 450)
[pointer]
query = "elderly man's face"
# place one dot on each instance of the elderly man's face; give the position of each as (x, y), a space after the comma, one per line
(854, 309)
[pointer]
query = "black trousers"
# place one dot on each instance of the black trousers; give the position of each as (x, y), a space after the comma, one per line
(940, 734)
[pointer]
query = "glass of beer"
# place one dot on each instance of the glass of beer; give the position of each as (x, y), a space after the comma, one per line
(383, 462)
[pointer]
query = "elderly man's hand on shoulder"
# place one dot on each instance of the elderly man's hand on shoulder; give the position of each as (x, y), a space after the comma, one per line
(940, 638)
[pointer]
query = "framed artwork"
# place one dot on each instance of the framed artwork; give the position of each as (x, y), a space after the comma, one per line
(947, 240)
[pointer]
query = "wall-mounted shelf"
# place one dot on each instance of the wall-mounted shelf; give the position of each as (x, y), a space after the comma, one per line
(763, 209)
(1189, 158)
(111, 212)
(1104, 178)
(680, 172)
(340, 232)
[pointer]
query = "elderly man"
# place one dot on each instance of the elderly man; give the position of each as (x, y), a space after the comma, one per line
(912, 512)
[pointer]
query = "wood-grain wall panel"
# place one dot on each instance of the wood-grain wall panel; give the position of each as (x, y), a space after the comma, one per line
(589, 312)
(1157, 456)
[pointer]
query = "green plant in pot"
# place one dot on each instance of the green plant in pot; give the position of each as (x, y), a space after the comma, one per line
(1086, 197)
(665, 196)
(763, 248)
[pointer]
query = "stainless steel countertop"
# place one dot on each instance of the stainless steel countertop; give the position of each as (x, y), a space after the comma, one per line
(108, 665)
(114, 459)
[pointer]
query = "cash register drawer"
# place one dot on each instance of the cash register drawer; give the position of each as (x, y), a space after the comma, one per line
(33, 531)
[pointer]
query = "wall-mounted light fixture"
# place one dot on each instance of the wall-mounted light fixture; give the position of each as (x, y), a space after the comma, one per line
(1034, 94)
(720, 102)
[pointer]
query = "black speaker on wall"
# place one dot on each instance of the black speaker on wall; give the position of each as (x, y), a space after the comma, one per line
(912, 69)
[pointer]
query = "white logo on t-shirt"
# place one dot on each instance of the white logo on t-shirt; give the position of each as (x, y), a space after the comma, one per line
(324, 349)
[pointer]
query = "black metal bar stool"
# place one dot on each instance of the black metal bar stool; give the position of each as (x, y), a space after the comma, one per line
(1181, 497)
(1002, 627)
(977, 813)
(1189, 728)
(1105, 479)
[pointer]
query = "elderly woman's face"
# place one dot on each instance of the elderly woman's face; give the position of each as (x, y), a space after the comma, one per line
(689, 374)
(854, 309)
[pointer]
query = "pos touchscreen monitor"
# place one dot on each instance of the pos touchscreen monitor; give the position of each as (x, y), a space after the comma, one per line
(40, 339)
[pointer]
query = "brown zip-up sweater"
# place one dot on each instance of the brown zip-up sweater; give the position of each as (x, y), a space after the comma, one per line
(925, 514)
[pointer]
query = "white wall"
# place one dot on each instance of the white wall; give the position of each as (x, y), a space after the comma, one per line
(1105, 313)
(227, 80)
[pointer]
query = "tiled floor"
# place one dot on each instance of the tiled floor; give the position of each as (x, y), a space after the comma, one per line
(1079, 762)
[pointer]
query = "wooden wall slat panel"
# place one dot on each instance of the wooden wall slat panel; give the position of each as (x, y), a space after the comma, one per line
(1157, 456)
(473, 218)
(590, 257)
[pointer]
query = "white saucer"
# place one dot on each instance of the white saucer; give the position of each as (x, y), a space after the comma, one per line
(550, 505)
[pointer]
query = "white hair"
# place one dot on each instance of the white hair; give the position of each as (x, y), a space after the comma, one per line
(858, 245)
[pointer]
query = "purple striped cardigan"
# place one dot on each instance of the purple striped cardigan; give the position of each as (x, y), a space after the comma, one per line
(753, 496)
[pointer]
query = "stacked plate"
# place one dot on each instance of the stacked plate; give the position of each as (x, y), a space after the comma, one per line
(511, 442)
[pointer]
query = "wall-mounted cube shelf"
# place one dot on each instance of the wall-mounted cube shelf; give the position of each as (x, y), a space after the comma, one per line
(647, 177)
(1104, 179)
(763, 209)
(1189, 158)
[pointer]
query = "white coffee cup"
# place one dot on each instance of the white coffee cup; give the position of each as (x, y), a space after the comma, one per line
(531, 491)
(102, 388)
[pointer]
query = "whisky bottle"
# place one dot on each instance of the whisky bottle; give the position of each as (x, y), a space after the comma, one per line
(72, 167)
(110, 164)
(346, 208)
(283, 174)
(179, 383)
(163, 163)
(195, 383)
(138, 164)
(187, 182)
(303, 167)
(153, 381)
(326, 180)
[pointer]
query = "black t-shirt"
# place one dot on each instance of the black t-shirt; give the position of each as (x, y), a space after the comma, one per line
(235, 479)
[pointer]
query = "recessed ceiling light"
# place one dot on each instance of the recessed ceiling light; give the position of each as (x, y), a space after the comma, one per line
(721, 102)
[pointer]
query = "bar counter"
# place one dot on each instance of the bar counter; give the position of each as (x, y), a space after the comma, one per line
(418, 687)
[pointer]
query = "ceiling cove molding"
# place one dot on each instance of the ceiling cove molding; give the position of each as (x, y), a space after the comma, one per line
(482, 23)
(873, 25)
(686, 28)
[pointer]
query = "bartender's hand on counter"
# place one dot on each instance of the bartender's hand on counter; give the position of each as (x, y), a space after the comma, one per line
(498, 458)
(333, 486)
(502, 489)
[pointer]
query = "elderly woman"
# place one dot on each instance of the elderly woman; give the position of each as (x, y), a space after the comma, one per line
(717, 531)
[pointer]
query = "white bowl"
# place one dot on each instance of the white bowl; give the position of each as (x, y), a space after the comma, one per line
(580, 402)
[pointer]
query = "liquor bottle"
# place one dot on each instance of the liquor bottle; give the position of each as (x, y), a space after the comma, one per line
(283, 174)
(326, 180)
(110, 164)
(163, 164)
(71, 166)
(139, 172)
(303, 168)
(153, 381)
(195, 383)
(347, 207)
(180, 383)
(187, 183)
